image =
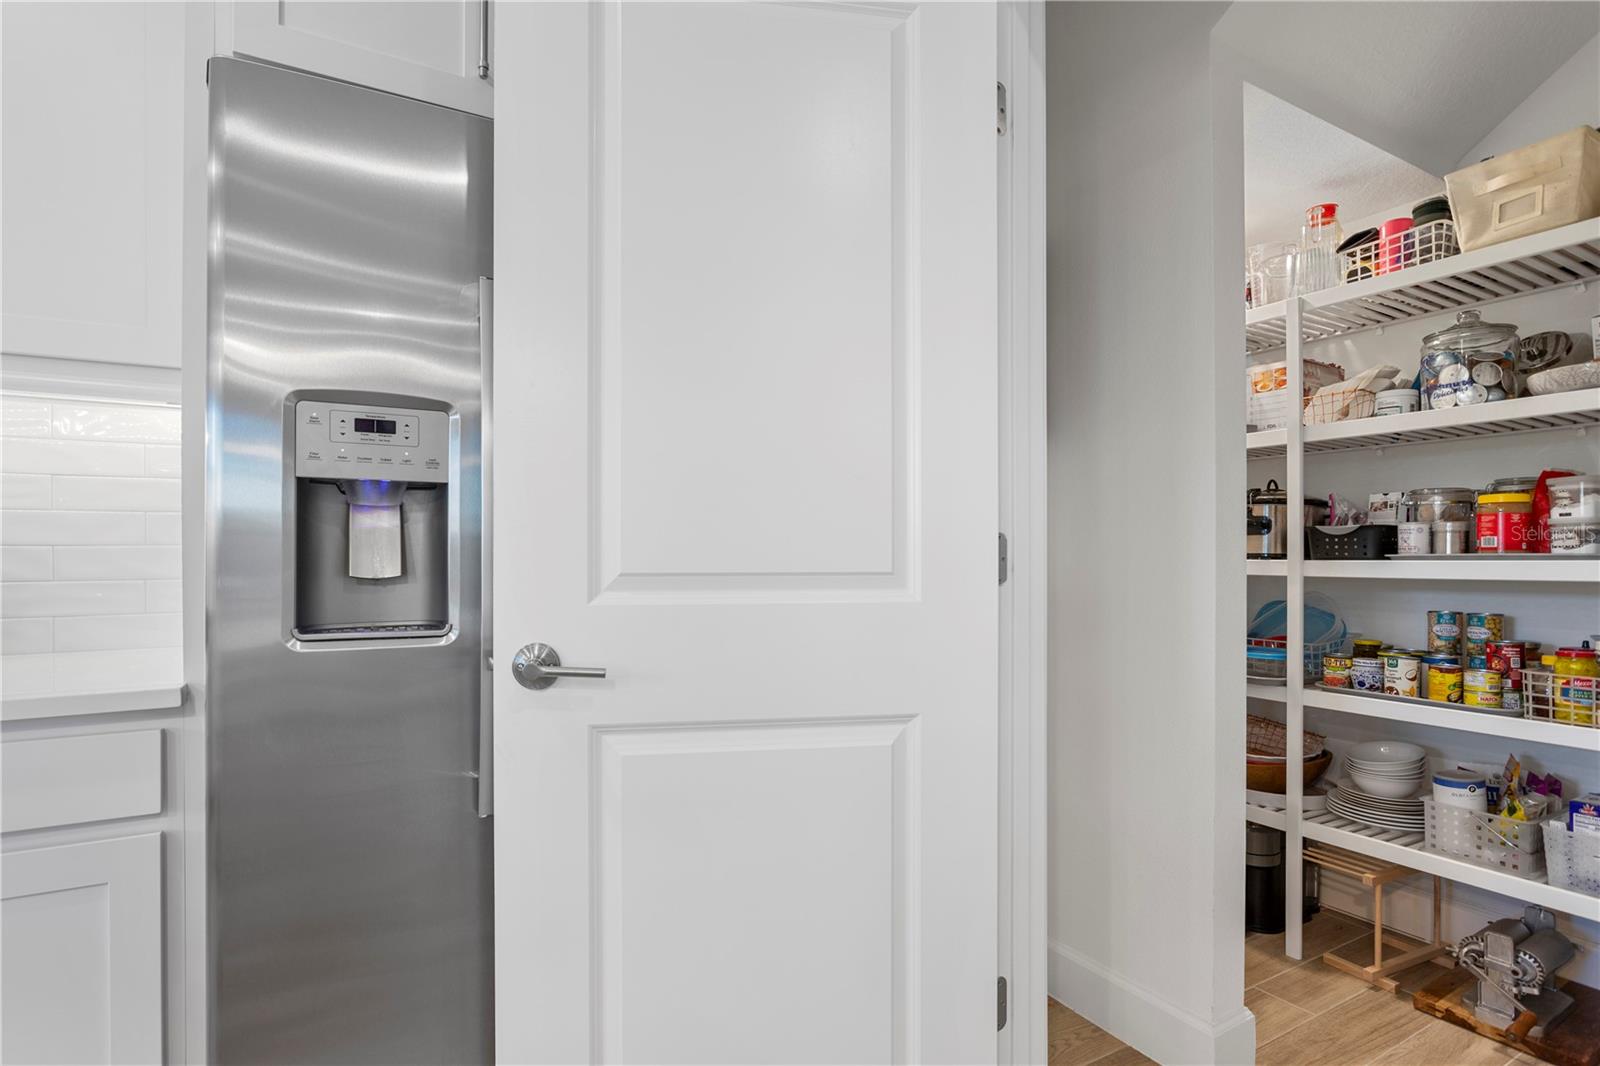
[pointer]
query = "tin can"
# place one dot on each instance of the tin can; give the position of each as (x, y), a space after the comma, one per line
(1415, 538)
(1481, 688)
(1400, 674)
(1444, 631)
(1481, 629)
(1444, 682)
(1507, 656)
(1336, 671)
(1366, 649)
(1366, 673)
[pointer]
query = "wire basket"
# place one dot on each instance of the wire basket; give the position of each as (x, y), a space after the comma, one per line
(1484, 839)
(1540, 702)
(1426, 243)
(1572, 859)
(1314, 652)
(1263, 736)
(1339, 405)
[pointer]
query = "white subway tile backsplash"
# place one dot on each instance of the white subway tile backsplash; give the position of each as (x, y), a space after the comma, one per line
(25, 564)
(24, 417)
(26, 675)
(163, 460)
(116, 494)
(45, 599)
(105, 632)
(24, 491)
(90, 571)
(140, 423)
(163, 529)
(29, 455)
(163, 596)
(141, 561)
(70, 527)
(26, 636)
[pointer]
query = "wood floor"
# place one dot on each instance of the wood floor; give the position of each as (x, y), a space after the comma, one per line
(1309, 1014)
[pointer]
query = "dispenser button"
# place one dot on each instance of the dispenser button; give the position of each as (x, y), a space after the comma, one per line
(314, 456)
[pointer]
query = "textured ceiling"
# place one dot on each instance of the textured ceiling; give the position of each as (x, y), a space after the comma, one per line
(1422, 81)
(1293, 160)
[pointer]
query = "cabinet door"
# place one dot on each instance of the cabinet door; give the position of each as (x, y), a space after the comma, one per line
(80, 971)
(424, 50)
(92, 180)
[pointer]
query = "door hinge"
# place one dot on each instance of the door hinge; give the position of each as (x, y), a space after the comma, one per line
(1005, 559)
(1000, 1019)
(1000, 121)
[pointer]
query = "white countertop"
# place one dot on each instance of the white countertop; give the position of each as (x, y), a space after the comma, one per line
(55, 685)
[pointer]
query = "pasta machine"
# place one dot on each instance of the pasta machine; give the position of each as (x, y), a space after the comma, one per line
(1515, 961)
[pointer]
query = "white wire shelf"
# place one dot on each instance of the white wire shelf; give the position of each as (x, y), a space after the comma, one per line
(1405, 849)
(1565, 256)
(1528, 414)
(1441, 716)
(1540, 568)
(1266, 567)
(1268, 816)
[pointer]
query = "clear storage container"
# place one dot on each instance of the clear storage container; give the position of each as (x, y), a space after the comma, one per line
(1471, 362)
(1572, 859)
(1575, 497)
(1485, 839)
(1438, 505)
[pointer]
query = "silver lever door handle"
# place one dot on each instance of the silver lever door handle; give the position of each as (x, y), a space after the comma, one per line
(539, 666)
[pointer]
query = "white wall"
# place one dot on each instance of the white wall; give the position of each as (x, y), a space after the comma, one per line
(1570, 97)
(1145, 436)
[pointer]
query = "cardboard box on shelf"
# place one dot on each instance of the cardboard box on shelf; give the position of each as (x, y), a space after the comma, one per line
(1267, 390)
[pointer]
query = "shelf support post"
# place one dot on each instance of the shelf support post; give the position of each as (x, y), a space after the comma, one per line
(1294, 599)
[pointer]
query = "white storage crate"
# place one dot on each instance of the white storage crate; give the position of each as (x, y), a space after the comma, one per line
(1539, 692)
(1573, 859)
(1485, 839)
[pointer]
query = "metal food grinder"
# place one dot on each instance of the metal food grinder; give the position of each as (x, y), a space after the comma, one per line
(1515, 961)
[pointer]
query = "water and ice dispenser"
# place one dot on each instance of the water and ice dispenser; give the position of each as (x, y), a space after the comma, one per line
(372, 521)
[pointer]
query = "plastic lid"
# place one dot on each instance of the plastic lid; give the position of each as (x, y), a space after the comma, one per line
(1431, 495)
(1585, 652)
(1505, 497)
(1321, 214)
(1256, 651)
(1470, 331)
(1586, 482)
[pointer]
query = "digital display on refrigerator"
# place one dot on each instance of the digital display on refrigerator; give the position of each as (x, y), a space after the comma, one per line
(375, 425)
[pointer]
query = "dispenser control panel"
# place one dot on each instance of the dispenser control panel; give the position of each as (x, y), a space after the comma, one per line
(340, 440)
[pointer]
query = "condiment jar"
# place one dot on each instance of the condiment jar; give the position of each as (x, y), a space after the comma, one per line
(1577, 675)
(1437, 505)
(1461, 363)
(1503, 521)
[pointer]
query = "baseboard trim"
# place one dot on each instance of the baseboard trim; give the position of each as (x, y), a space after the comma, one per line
(1145, 1021)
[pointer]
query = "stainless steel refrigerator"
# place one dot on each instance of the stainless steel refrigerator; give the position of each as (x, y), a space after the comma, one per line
(350, 885)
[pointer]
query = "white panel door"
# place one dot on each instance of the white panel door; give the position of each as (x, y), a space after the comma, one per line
(92, 181)
(745, 411)
(424, 49)
(80, 953)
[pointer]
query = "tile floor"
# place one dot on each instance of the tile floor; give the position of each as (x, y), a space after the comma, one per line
(1309, 1014)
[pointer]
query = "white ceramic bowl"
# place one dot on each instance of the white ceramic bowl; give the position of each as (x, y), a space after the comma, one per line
(1387, 751)
(1391, 770)
(1386, 787)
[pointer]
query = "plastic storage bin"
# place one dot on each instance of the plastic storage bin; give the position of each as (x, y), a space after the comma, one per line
(1354, 542)
(1533, 189)
(1484, 839)
(1572, 859)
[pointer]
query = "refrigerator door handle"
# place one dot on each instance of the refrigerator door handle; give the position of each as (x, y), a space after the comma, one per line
(485, 773)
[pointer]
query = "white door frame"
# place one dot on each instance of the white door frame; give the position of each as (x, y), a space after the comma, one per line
(1024, 929)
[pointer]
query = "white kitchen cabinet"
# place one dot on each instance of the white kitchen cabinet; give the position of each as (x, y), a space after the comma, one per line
(80, 980)
(426, 50)
(92, 180)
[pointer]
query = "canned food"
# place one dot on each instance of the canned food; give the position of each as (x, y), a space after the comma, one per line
(1400, 674)
(1415, 538)
(1444, 631)
(1336, 671)
(1507, 656)
(1444, 682)
(1366, 673)
(1481, 629)
(1481, 688)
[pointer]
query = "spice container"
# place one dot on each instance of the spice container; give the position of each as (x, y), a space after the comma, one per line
(1438, 505)
(1461, 363)
(1452, 538)
(1503, 520)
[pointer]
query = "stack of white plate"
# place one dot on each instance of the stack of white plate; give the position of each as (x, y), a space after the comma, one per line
(1387, 769)
(1404, 815)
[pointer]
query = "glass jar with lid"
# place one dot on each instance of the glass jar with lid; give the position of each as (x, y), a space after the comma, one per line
(1471, 362)
(1437, 505)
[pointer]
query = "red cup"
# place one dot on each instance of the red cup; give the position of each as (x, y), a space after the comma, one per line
(1395, 248)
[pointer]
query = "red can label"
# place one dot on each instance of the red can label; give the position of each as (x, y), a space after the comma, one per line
(1502, 532)
(1507, 656)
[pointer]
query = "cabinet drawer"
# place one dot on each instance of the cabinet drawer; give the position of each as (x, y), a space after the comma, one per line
(67, 780)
